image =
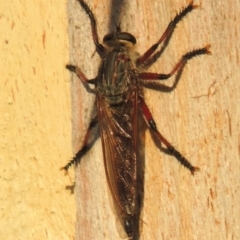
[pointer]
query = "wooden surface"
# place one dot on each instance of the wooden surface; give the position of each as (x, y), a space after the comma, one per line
(35, 122)
(200, 117)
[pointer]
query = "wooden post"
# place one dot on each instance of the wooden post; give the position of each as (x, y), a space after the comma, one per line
(200, 117)
(176, 204)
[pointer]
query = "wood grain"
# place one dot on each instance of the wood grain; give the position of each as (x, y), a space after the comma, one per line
(35, 122)
(197, 118)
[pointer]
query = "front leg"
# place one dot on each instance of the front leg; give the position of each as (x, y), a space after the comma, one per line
(99, 47)
(166, 35)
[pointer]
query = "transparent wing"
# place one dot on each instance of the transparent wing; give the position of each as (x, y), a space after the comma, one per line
(118, 125)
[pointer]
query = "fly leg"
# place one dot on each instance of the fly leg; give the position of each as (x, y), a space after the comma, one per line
(152, 125)
(178, 66)
(80, 74)
(167, 34)
(87, 144)
(99, 47)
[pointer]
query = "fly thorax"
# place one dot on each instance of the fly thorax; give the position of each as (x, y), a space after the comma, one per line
(116, 76)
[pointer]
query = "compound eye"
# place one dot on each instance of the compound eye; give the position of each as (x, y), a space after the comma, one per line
(125, 36)
(114, 39)
(109, 37)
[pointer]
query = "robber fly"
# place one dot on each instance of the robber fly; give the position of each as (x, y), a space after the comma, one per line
(118, 100)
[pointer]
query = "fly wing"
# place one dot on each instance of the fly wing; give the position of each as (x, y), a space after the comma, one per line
(118, 125)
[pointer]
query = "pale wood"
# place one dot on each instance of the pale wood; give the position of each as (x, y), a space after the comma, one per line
(35, 122)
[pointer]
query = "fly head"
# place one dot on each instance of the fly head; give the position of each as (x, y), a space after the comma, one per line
(119, 38)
